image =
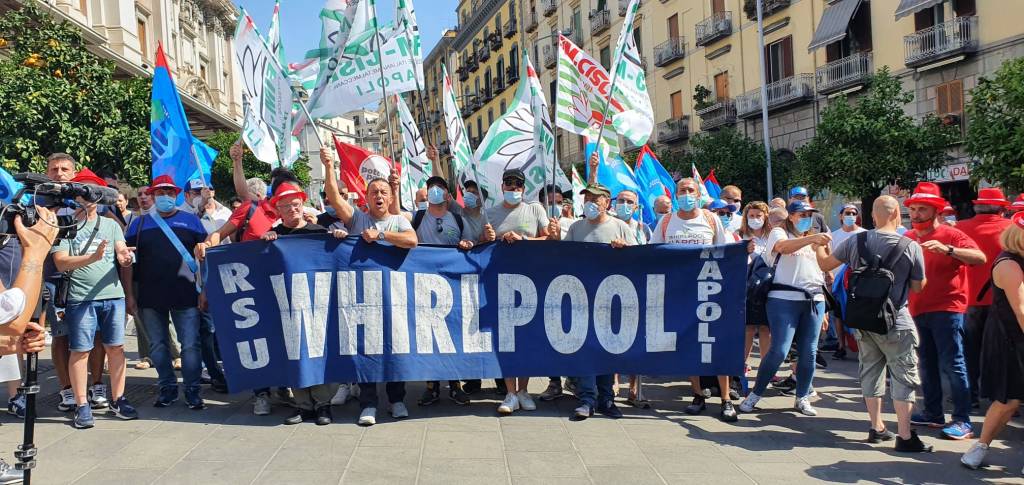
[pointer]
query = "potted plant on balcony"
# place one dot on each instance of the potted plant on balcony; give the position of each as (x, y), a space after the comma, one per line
(702, 98)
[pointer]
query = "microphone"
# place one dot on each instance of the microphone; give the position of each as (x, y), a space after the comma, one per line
(91, 193)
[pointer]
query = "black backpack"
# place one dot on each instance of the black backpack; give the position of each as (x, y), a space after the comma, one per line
(868, 306)
(417, 218)
(760, 278)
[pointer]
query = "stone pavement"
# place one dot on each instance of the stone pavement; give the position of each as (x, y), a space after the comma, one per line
(448, 444)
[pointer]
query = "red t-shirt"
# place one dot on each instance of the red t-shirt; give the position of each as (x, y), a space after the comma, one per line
(263, 218)
(946, 287)
(985, 229)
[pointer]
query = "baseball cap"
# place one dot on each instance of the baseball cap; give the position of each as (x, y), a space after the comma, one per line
(597, 189)
(798, 190)
(513, 173)
(800, 206)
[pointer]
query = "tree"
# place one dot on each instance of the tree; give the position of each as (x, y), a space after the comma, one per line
(222, 176)
(739, 160)
(861, 148)
(56, 96)
(995, 135)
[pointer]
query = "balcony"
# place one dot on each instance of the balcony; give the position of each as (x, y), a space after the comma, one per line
(782, 93)
(483, 54)
(531, 21)
(549, 7)
(628, 146)
(673, 130)
(510, 28)
(941, 41)
(669, 51)
(477, 103)
(624, 4)
(600, 21)
(435, 117)
(512, 74)
(471, 64)
(466, 110)
(550, 55)
(499, 85)
(770, 7)
(463, 72)
(847, 72)
(487, 96)
(717, 26)
(722, 113)
(495, 42)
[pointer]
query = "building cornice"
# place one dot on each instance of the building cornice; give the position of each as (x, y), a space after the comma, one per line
(482, 15)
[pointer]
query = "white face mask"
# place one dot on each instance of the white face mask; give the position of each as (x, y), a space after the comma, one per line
(755, 223)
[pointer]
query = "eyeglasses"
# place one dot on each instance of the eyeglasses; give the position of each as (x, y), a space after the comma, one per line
(514, 183)
(849, 213)
(297, 205)
(440, 226)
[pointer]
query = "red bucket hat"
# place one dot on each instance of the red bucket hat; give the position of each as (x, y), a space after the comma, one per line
(1018, 203)
(163, 182)
(87, 176)
(991, 196)
(927, 193)
(285, 191)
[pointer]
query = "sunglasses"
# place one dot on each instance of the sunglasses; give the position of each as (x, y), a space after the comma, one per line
(514, 183)
(440, 226)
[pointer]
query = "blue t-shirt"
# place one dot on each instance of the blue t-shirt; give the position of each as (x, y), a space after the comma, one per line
(165, 281)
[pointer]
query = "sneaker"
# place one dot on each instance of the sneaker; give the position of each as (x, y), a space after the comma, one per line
(168, 396)
(786, 386)
(820, 362)
(584, 411)
(98, 396)
(261, 407)
(571, 385)
(554, 391)
(471, 386)
(728, 414)
(16, 405)
(204, 376)
(975, 456)
(123, 409)
(430, 396)
(509, 405)
(399, 411)
(749, 403)
(83, 418)
(67, 400)
(803, 405)
(341, 397)
(922, 419)
(912, 445)
(323, 416)
(958, 430)
(367, 417)
(880, 436)
(697, 406)
(296, 417)
(194, 399)
(525, 401)
(459, 396)
(839, 355)
(609, 409)
(10, 474)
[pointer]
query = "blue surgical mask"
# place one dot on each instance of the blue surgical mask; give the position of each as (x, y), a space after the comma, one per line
(554, 211)
(726, 219)
(804, 224)
(591, 210)
(164, 203)
(849, 221)
(435, 195)
(422, 205)
(950, 218)
(512, 197)
(624, 211)
(686, 202)
(470, 200)
(330, 211)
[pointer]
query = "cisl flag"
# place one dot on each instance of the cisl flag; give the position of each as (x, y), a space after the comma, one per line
(359, 166)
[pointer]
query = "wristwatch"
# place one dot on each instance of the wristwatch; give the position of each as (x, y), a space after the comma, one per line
(949, 252)
(380, 236)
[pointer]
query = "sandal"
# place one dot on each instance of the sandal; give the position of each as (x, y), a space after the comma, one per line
(638, 403)
(143, 364)
(177, 364)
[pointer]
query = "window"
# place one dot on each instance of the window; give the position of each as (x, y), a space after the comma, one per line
(83, 6)
(858, 36)
(502, 108)
(636, 40)
(677, 104)
(928, 17)
(673, 26)
(606, 57)
(536, 58)
(949, 98)
(577, 26)
(513, 58)
(202, 73)
(479, 127)
(718, 6)
(779, 56)
(487, 82)
(964, 8)
(140, 30)
(490, 116)
(497, 22)
(722, 86)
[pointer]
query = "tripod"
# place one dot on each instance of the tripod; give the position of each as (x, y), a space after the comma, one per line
(26, 453)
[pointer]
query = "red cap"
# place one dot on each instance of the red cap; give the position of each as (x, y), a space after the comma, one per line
(1018, 219)
(992, 196)
(1018, 203)
(163, 182)
(948, 210)
(927, 193)
(86, 176)
(287, 190)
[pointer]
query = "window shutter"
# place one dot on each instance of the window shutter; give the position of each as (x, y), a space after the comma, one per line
(787, 57)
(942, 99)
(717, 6)
(677, 105)
(768, 62)
(956, 96)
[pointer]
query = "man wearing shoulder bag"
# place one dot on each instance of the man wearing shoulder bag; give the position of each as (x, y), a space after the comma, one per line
(892, 261)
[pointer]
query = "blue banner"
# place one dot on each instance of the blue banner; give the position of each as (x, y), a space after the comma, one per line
(305, 310)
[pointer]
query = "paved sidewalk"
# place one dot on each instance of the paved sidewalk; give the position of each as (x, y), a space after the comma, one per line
(448, 444)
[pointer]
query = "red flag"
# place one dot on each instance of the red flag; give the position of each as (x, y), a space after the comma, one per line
(359, 166)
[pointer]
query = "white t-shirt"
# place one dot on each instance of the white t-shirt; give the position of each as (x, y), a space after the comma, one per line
(840, 235)
(696, 231)
(799, 268)
(642, 232)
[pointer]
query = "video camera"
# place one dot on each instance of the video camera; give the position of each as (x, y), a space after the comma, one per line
(44, 192)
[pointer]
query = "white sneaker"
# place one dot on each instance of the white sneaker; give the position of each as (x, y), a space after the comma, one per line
(525, 401)
(975, 456)
(98, 396)
(509, 405)
(368, 417)
(262, 405)
(67, 400)
(399, 411)
(748, 404)
(341, 397)
(803, 404)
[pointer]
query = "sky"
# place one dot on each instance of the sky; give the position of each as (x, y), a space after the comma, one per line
(300, 19)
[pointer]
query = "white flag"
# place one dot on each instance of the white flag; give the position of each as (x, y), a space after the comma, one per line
(415, 164)
(267, 91)
(583, 91)
(462, 153)
(636, 121)
(288, 152)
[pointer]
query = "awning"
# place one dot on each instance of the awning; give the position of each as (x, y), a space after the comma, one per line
(834, 23)
(908, 7)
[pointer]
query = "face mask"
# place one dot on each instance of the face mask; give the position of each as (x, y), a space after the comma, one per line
(725, 218)
(950, 218)
(422, 205)
(513, 197)
(849, 221)
(470, 199)
(624, 211)
(591, 210)
(435, 195)
(164, 203)
(196, 202)
(922, 226)
(554, 211)
(330, 211)
(755, 223)
(804, 224)
(686, 202)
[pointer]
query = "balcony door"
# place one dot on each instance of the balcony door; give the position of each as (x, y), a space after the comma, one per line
(722, 86)
(780, 59)
(677, 105)
(673, 26)
(717, 6)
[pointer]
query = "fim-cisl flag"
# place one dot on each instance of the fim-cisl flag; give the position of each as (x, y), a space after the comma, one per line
(463, 164)
(337, 19)
(583, 91)
(416, 167)
(636, 121)
(359, 166)
(265, 86)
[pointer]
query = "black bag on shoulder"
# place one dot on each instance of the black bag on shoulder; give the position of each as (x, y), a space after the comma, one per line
(760, 277)
(868, 306)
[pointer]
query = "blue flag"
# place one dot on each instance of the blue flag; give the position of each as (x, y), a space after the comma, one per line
(613, 172)
(175, 151)
(8, 186)
(654, 182)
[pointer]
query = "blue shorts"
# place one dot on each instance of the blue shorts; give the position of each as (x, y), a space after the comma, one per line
(83, 319)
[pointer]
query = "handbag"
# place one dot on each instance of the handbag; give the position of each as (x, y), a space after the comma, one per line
(60, 297)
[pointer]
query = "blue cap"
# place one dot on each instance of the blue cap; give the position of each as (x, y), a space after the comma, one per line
(718, 204)
(798, 190)
(800, 206)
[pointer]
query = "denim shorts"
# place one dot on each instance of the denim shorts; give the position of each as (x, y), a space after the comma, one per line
(85, 318)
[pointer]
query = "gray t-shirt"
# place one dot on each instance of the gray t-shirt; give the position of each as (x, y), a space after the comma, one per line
(526, 219)
(605, 232)
(474, 225)
(908, 268)
(99, 280)
(361, 221)
(442, 230)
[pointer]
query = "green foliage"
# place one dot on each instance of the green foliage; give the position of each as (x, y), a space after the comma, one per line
(253, 167)
(995, 135)
(739, 160)
(701, 97)
(55, 96)
(862, 147)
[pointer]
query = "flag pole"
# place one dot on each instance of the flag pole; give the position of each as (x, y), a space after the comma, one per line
(611, 89)
(383, 82)
(419, 89)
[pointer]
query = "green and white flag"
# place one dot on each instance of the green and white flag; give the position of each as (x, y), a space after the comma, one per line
(583, 89)
(636, 121)
(462, 153)
(288, 152)
(416, 167)
(405, 26)
(265, 87)
(337, 20)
